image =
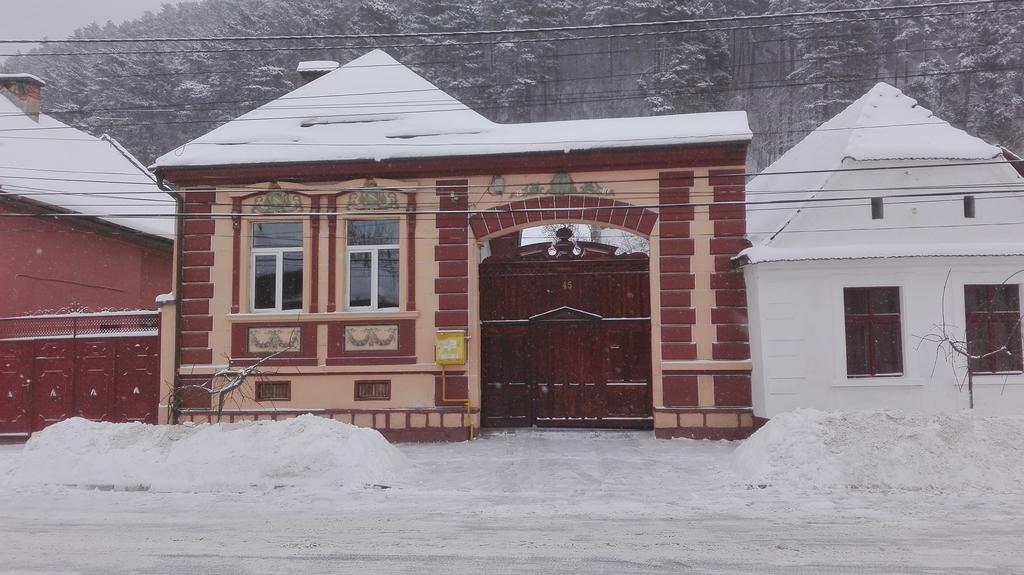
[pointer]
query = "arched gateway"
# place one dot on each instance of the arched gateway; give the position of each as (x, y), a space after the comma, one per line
(566, 335)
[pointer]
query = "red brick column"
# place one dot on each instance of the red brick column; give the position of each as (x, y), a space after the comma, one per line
(196, 287)
(676, 281)
(729, 316)
(314, 256)
(236, 253)
(452, 282)
(332, 236)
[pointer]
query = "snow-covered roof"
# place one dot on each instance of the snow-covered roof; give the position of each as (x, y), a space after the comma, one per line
(317, 66)
(374, 108)
(882, 125)
(768, 253)
(52, 163)
(22, 77)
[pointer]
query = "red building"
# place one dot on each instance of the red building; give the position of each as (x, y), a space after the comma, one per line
(85, 233)
(54, 259)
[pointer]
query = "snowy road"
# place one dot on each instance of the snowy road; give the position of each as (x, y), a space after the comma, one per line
(530, 502)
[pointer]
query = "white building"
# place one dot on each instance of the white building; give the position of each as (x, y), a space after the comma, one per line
(885, 223)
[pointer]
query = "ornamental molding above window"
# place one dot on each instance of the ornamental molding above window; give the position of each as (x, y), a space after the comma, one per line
(277, 202)
(373, 200)
(562, 184)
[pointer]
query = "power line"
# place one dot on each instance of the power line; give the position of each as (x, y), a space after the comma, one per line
(472, 212)
(602, 182)
(610, 95)
(633, 195)
(508, 40)
(172, 107)
(191, 106)
(653, 235)
(508, 31)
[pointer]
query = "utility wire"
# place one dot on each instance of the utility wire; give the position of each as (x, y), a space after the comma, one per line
(173, 107)
(622, 95)
(623, 234)
(631, 50)
(508, 31)
(195, 106)
(507, 40)
(28, 191)
(506, 210)
(614, 181)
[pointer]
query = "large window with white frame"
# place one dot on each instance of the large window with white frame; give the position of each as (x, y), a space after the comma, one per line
(277, 258)
(372, 264)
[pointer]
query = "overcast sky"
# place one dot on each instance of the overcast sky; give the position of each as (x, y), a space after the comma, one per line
(59, 18)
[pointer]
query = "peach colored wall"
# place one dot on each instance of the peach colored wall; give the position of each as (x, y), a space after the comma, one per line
(330, 387)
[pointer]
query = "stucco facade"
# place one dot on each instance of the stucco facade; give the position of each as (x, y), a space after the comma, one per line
(449, 188)
(798, 340)
(888, 199)
(700, 370)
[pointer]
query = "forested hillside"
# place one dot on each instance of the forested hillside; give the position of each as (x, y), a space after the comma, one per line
(790, 73)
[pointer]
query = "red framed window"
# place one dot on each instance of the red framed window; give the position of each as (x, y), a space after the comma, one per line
(273, 391)
(993, 320)
(874, 345)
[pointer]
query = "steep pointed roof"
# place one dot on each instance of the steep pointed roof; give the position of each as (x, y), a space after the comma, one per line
(374, 108)
(882, 125)
(52, 163)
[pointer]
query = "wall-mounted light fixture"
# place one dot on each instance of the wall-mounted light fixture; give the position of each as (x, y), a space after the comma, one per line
(497, 186)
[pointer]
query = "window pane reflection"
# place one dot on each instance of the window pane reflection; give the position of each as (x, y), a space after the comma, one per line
(265, 282)
(387, 278)
(359, 270)
(277, 235)
(291, 289)
(372, 232)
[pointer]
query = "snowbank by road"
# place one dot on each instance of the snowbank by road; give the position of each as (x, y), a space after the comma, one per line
(887, 450)
(305, 451)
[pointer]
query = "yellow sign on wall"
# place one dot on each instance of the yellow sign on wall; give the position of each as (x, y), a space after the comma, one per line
(450, 347)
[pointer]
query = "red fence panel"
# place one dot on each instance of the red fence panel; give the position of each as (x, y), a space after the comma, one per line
(52, 384)
(94, 378)
(15, 397)
(137, 381)
(103, 367)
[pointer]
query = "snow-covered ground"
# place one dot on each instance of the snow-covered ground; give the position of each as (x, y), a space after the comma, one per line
(525, 502)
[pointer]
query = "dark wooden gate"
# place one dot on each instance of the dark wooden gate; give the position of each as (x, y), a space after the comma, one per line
(108, 378)
(566, 337)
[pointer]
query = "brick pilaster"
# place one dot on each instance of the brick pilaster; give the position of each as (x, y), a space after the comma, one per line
(452, 255)
(729, 316)
(451, 285)
(676, 281)
(197, 259)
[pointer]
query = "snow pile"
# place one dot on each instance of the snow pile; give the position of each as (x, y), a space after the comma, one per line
(307, 451)
(885, 449)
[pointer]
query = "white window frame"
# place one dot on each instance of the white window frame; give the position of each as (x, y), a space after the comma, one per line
(374, 250)
(278, 254)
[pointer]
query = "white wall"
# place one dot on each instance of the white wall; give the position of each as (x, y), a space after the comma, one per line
(798, 335)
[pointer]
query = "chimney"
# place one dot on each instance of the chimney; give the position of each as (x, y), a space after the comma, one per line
(25, 91)
(313, 69)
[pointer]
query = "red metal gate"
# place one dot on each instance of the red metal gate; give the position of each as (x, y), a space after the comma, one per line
(566, 338)
(108, 376)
